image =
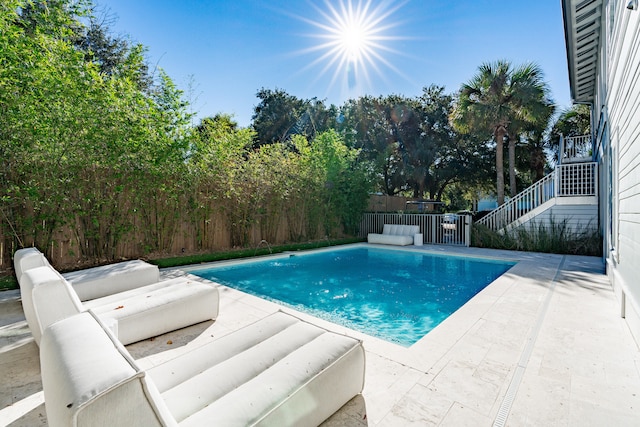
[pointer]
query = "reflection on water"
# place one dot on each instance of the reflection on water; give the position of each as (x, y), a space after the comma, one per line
(398, 296)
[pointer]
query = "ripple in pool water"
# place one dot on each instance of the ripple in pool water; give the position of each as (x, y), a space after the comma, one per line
(395, 295)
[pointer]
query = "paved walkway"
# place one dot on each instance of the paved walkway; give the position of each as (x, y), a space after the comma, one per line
(542, 345)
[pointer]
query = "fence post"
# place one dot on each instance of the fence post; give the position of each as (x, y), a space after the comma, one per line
(596, 179)
(434, 239)
(468, 221)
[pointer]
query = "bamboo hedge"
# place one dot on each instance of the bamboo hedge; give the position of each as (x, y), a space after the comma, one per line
(96, 167)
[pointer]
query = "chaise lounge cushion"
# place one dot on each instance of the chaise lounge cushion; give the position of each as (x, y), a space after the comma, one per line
(97, 282)
(279, 371)
(93, 282)
(136, 314)
(46, 298)
(158, 308)
(224, 382)
(89, 379)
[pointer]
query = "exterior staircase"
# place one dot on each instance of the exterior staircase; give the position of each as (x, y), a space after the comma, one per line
(568, 193)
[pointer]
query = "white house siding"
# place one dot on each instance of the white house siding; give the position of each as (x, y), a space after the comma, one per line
(579, 219)
(621, 122)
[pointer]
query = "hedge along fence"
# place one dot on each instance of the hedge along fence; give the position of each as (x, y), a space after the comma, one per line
(185, 235)
(98, 165)
(95, 212)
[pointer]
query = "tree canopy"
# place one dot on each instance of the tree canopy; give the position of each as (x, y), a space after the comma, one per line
(502, 101)
(97, 151)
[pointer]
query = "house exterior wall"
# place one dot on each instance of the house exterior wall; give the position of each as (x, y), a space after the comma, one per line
(579, 218)
(616, 116)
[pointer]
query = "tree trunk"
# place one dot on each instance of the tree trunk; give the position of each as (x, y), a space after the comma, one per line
(512, 167)
(500, 132)
(537, 162)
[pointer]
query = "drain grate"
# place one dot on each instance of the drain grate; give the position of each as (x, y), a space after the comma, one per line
(514, 385)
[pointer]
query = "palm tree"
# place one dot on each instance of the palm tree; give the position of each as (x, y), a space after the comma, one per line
(502, 100)
(571, 122)
(531, 109)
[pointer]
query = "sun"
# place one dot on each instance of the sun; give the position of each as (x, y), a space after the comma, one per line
(353, 40)
(350, 34)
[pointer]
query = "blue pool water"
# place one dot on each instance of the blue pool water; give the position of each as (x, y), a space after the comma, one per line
(395, 295)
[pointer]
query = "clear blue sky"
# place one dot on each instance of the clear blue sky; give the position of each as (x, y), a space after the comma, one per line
(228, 50)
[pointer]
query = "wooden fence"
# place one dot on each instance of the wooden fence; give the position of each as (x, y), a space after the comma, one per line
(209, 235)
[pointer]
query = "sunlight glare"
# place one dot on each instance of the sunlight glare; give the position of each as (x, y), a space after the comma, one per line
(353, 36)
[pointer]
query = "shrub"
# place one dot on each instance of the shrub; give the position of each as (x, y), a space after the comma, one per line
(550, 237)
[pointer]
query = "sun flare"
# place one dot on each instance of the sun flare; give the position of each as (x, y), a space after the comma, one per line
(353, 37)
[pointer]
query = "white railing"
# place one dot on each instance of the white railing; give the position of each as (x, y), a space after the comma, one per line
(577, 179)
(568, 180)
(575, 149)
(529, 199)
(443, 229)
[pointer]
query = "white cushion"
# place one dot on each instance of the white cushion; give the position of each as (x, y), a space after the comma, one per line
(395, 234)
(400, 230)
(97, 282)
(390, 239)
(279, 371)
(93, 282)
(46, 298)
(27, 258)
(89, 379)
(158, 308)
(136, 314)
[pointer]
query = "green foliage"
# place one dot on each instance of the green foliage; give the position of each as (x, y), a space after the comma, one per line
(409, 144)
(8, 283)
(574, 121)
(501, 101)
(553, 237)
(304, 182)
(278, 116)
(80, 147)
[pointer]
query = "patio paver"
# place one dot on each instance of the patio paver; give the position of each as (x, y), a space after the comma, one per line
(542, 345)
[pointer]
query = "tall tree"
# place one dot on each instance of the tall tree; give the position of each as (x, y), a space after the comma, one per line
(482, 106)
(531, 108)
(498, 99)
(409, 141)
(110, 53)
(279, 116)
(366, 126)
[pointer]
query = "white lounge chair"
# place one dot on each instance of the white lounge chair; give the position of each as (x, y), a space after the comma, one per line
(96, 282)
(139, 313)
(279, 371)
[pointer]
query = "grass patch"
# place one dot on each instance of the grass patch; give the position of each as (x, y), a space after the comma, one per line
(552, 237)
(248, 252)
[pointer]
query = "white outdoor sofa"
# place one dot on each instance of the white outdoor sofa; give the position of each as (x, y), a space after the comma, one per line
(143, 311)
(279, 371)
(395, 234)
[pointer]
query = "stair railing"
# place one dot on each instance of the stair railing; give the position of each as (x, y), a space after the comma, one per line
(526, 201)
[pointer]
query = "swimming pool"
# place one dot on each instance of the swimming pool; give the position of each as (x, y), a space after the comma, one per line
(396, 295)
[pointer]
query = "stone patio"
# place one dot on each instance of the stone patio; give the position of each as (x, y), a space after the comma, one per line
(542, 345)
